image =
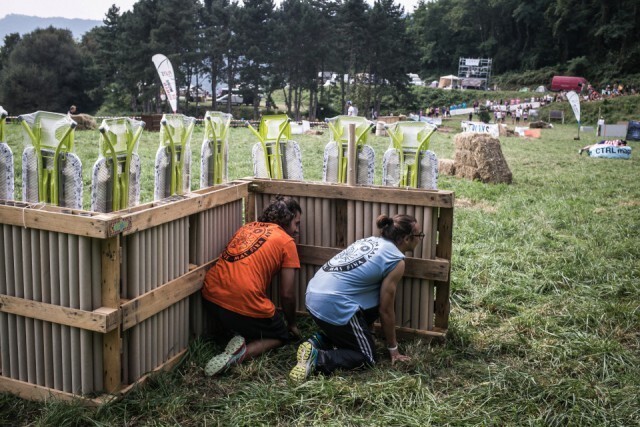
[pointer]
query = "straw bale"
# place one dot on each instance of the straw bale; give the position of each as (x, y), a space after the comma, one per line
(84, 121)
(467, 140)
(502, 130)
(479, 156)
(465, 157)
(492, 166)
(467, 172)
(446, 167)
(313, 132)
(540, 125)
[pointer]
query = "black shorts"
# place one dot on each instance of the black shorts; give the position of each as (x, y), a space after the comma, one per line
(251, 328)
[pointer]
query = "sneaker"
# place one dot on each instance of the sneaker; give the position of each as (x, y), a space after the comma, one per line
(233, 353)
(319, 341)
(306, 356)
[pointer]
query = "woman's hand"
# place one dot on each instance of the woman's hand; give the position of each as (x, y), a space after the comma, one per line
(293, 330)
(397, 357)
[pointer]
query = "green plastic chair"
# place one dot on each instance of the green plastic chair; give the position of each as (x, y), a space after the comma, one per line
(6, 162)
(408, 162)
(116, 173)
(335, 153)
(51, 172)
(173, 159)
(275, 155)
(214, 153)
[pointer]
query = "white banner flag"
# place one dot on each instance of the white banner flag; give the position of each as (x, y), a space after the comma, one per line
(574, 101)
(168, 79)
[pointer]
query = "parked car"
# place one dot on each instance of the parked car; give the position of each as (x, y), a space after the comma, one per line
(235, 99)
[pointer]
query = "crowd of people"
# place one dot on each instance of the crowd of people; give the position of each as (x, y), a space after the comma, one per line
(351, 290)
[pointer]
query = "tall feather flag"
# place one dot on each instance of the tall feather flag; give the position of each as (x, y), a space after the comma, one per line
(168, 79)
(574, 101)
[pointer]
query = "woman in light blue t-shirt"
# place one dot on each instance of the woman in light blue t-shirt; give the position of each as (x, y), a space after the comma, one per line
(348, 294)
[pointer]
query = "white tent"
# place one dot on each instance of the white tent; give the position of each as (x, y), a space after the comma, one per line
(449, 82)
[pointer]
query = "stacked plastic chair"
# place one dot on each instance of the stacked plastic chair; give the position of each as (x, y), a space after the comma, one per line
(51, 172)
(276, 155)
(408, 162)
(173, 159)
(334, 167)
(6, 162)
(116, 173)
(214, 153)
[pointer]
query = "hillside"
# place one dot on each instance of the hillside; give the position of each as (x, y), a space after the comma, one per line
(24, 24)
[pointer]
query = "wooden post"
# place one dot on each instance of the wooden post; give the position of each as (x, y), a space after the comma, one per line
(352, 150)
(443, 250)
(112, 343)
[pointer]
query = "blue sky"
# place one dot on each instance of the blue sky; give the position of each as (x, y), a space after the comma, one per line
(88, 9)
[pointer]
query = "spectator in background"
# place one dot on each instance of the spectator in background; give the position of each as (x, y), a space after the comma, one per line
(72, 110)
(352, 110)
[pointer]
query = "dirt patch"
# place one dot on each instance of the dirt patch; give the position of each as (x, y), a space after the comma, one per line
(630, 203)
(446, 129)
(466, 203)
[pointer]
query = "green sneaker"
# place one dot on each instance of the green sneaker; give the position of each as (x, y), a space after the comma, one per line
(233, 353)
(307, 356)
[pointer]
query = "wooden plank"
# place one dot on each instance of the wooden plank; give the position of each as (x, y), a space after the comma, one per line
(101, 320)
(443, 250)
(111, 342)
(342, 219)
(157, 213)
(402, 332)
(35, 392)
(54, 218)
(143, 307)
(404, 196)
(417, 268)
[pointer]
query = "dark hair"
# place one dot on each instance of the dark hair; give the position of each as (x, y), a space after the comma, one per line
(396, 228)
(281, 211)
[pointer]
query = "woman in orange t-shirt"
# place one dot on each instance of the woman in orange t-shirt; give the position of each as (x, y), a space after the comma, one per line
(235, 287)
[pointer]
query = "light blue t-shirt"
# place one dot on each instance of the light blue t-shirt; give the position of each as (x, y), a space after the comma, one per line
(351, 280)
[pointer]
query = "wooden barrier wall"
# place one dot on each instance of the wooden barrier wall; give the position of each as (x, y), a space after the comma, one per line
(334, 216)
(90, 303)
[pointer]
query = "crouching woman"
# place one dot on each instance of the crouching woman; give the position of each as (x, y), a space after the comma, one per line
(348, 294)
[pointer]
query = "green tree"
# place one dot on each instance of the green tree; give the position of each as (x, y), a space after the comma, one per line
(254, 29)
(44, 71)
(10, 41)
(216, 17)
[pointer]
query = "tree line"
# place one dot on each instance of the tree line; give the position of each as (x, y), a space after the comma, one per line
(263, 48)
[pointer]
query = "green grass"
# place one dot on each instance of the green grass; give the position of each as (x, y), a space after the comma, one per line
(544, 326)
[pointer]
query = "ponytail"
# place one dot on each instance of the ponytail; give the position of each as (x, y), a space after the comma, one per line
(395, 228)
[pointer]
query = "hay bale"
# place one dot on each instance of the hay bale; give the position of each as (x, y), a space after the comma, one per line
(502, 130)
(313, 132)
(464, 140)
(84, 121)
(492, 166)
(446, 167)
(467, 172)
(540, 125)
(479, 156)
(464, 157)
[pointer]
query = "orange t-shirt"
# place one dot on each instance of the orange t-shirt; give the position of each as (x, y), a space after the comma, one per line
(239, 280)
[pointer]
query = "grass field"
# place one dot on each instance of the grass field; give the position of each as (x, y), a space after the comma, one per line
(544, 326)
